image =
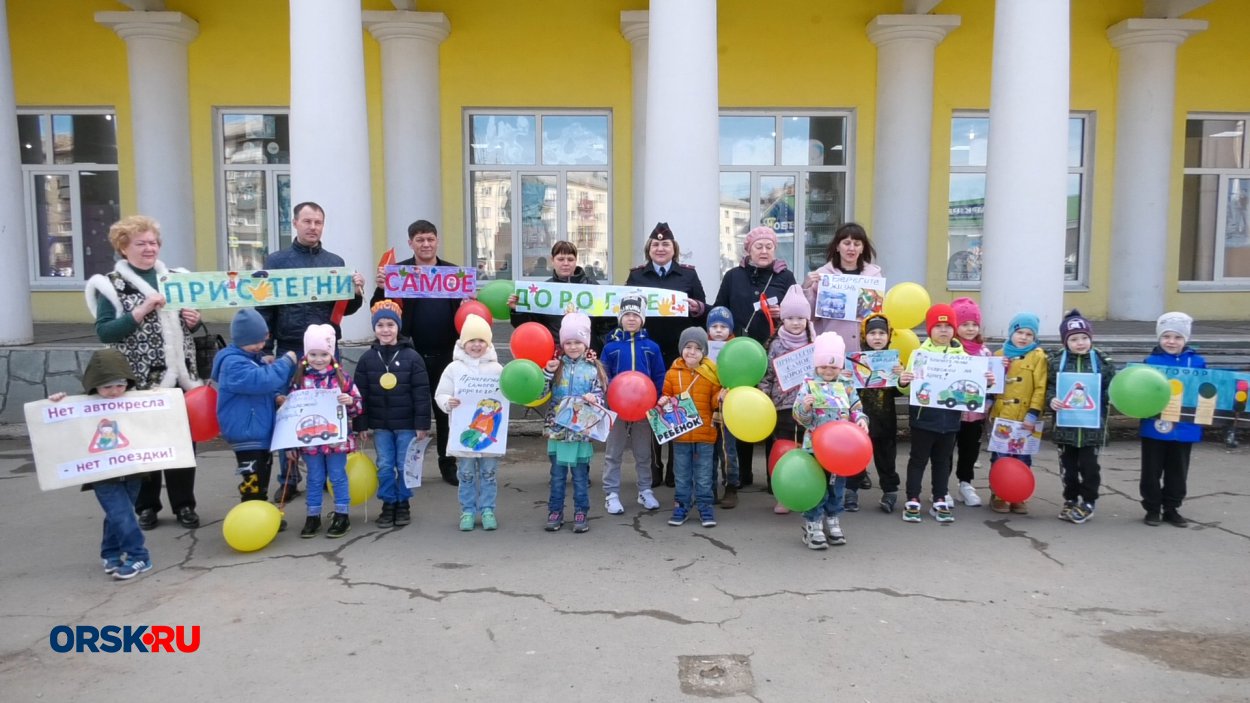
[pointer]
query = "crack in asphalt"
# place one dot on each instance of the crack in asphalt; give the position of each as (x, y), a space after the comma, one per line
(1219, 526)
(637, 525)
(717, 543)
(1006, 530)
(856, 589)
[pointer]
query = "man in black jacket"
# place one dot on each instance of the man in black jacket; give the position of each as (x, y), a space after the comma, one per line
(430, 323)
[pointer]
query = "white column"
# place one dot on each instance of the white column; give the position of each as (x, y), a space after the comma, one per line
(634, 28)
(904, 144)
(682, 157)
(330, 132)
(15, 323)
(160, 121)
(1027, 169)
(1141, 261)
(411, 118)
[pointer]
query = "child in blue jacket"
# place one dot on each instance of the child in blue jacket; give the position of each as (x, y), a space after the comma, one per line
(630, 349)
(1165, 445)
(248, 385)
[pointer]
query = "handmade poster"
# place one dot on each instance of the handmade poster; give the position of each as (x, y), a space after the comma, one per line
(596, 301)
(1081, 397)
(87, 438)
(674, 417)
(590, 419)
(310, 418)
(413, 460)
(954, 381)
(792, 367)
(841, 296)
(429, 282)
(873, 369)
(1010, 437)
(999, 365)
(208, 290)
(480, 422)
(1204, 396)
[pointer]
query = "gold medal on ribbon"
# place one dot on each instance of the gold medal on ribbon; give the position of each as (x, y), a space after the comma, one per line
(388, 380)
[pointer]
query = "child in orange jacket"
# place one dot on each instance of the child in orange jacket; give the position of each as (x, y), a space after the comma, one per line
(696, 375)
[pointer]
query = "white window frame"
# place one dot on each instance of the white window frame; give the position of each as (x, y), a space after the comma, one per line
(538, 168)
(59, 283)
(1220, 282)
(272, 172)
(1085, 170)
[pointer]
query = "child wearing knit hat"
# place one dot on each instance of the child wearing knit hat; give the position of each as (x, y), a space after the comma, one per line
(720, 329)
(1024, 394)
(825, 397)
(795, 333)
(694, 375)
(878, 404)
(395, 384)
(474, 355)
(972, 423)
(1165, 444)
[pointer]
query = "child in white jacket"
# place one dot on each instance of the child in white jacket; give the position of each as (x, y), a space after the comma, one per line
(473, 356)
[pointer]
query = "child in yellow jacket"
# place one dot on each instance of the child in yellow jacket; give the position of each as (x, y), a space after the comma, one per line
(1024, 395)
(696, 375)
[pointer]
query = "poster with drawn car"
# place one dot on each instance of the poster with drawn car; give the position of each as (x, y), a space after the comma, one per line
(950, 381)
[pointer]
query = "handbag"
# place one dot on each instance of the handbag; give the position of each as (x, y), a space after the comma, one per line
(206, 347)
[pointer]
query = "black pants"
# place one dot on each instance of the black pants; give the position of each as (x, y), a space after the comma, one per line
(968, 442)
(254, 485)
(1161, 461)
(179, 485)
(885, 456)
(434, 367)
(930, 447)
(1078, 466)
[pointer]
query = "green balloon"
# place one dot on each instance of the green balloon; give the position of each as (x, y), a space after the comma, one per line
(798, 481)
(1140, 391)
(742, 362)
(521, 381)
(494, 296)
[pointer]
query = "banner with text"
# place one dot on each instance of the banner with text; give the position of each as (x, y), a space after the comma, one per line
(792, 367)
(208, 290)
(596, 301)
(954, 381)
(429, 282)
(310, 418)
(842, 296)
(480, 422)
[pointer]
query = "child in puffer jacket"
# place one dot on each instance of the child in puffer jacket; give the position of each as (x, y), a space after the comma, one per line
(795, 333)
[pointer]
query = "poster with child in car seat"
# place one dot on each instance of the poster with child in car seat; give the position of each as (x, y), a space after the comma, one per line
(480, 422)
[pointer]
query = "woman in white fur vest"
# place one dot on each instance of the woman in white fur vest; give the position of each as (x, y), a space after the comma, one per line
(130, 315)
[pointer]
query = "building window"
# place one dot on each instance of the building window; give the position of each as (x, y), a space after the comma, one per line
(786, 171)
(966, 201)
(70, 188)
(558, 166)
(1215, 205)
(255, 186)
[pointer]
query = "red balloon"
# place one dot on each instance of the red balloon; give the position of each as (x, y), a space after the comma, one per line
(533, 341)
(472, 307)
(842, 448)
(780, 447)
(1012, 480)
(202, 413)
(631, 394)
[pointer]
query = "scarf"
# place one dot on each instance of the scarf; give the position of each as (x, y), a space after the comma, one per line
(1011, 351)
(791, 341)
(973, 347)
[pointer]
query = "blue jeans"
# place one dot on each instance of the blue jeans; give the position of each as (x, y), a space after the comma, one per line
(478, 487)
(831, 504)
(692, 471)
(725, 458)
(1026, 458)
(121, 528)
(318, 466)
(581, 487)
(392, 447)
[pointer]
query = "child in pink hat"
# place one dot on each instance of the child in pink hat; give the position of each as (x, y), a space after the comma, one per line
(794, 333)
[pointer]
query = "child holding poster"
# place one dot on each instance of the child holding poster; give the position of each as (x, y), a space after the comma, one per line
(1079, 447)
(1024, 394)
(720, 329)
(694, 375)
(971, 422)
(395, 388)
(320, 369)
(827, 397)
(122, 550)
(878, 405)
(795, 333)
(473, 355)
(572, 375)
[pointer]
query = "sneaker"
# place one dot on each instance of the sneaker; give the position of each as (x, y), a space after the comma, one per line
(888, 501)
(111, 565)
(1152, 518)
(387, 518)
(835, 531)
(612, 504)
(780, 509)
(580, 523)
(1020, 508)
(647, 500)
(999, 505)
(466, 522)
(489, 522)
(1081, 512)
(1174, 518)
(1065, 513)
(130, 569)
(554, 522)
(403, 513)
(147, 519)
(311, 527)
(339, 525)
(850, 500)
(706, 517)
(968, 495)
(911, 511)
(941, 511)
(950, 502)
(679, 516)
(814, 534)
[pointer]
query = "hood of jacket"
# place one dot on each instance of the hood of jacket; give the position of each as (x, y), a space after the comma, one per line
(706, 369)
(106, 365)
(620, 335)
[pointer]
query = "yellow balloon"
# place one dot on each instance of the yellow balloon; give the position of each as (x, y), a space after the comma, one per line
(905, 305)
(362, 477)
(540, 402)
(749, 414)
(906, 342)
(251, 525)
